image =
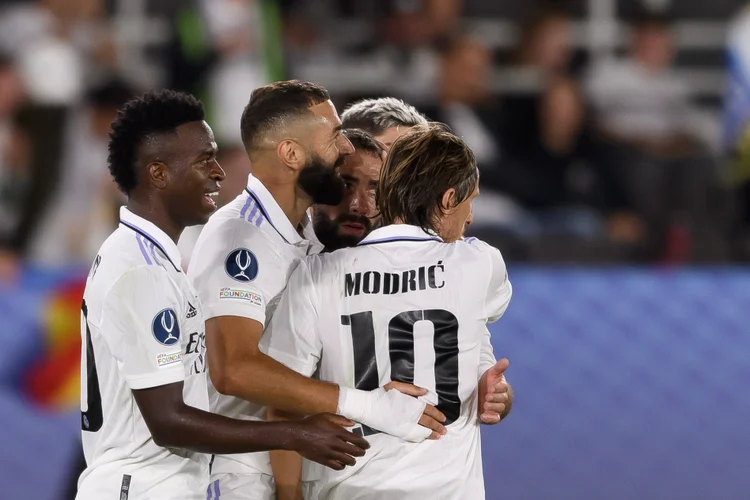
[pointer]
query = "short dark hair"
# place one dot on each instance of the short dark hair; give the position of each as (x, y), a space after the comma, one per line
(421, 166)
(377, 115)
(272, 104)
(362, 141)
(155, 112)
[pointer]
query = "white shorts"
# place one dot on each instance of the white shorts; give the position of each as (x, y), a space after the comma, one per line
(241, 487)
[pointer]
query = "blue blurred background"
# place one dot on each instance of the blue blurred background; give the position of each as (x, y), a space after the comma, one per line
(613, 142)
(630, 384)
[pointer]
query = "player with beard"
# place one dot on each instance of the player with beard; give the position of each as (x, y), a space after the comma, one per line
(344, 225)
(240, 265)
(385, 119)
(343, 310)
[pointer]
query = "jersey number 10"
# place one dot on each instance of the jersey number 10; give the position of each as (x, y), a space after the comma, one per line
(92, 417)
(401, 352)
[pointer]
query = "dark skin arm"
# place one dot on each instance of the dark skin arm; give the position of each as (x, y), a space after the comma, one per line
(174, 424)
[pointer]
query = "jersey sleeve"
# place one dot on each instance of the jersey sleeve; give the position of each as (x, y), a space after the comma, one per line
(499, 289)
(292, 338)
(142, 322)
(486, 354)
(234, 269)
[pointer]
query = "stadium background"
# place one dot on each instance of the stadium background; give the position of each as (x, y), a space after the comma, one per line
(627, 332)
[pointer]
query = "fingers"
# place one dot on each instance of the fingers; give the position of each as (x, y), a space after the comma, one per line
(501, 387)
(349, 449)
(489, 418)
(496, 397)
(498, 408)
(434, 413)
(432, 423)
(500, 367)
(358, 441)
(333, 464)
(411, 390)
(339, 420)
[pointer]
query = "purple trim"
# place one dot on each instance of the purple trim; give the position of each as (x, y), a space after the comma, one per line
(153, 255)
(150, 238)
(399, 238)
(244, 209)
(253, 213)
(139, 239)
(217, 490)
(264, 212)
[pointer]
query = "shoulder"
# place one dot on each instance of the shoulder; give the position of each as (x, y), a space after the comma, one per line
(223, 235)
(474, 247)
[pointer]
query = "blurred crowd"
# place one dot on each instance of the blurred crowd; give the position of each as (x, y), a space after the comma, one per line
(582, 159)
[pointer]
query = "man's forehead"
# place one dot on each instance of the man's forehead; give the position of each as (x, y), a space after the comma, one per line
(196, 136)
(326, 112)
(195, 131)
(361, 164)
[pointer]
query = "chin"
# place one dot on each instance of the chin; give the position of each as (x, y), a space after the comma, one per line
(198, 220)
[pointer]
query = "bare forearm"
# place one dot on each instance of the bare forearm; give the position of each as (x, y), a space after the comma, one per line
(265, 381)
(286, 465)
(201, 431)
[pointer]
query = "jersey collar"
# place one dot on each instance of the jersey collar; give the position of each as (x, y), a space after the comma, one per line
(153, 234)
(398, 232)
(273, 212)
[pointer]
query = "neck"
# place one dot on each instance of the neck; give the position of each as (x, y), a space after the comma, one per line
(157, 214)
(287, 195)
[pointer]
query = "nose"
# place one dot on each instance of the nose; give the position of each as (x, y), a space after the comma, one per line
(356, 205)
(217, 173)
(345, 146)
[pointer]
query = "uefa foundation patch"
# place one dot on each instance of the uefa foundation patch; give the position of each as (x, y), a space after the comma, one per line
(233, 293)
(166, 359)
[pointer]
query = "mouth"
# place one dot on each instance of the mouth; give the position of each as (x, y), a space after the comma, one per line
(210, 198)
(353, 227)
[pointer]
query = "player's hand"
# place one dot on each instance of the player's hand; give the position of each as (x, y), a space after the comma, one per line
(323, 439)
(493, 393)
(431, 418)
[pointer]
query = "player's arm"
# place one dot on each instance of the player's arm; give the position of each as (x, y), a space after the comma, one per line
(239, 368)
(236, 312)
(285, 465)
(174, 424)
(141, 323)
(495, 393)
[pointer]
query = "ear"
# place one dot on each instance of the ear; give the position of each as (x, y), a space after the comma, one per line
(291, 154)
(449, 200)
(158, 174)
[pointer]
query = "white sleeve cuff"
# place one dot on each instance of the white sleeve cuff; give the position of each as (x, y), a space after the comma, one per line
(156, 379)
(232, 308)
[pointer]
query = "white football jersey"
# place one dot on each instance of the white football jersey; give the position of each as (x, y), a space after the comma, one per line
(240, 265)
(141, 327)
(404, 306)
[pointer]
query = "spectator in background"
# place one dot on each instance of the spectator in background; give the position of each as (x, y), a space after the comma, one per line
(234, 28)
(14, 165)
(644, 111)
(83, 207)
(544, 137)
(736, 123)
